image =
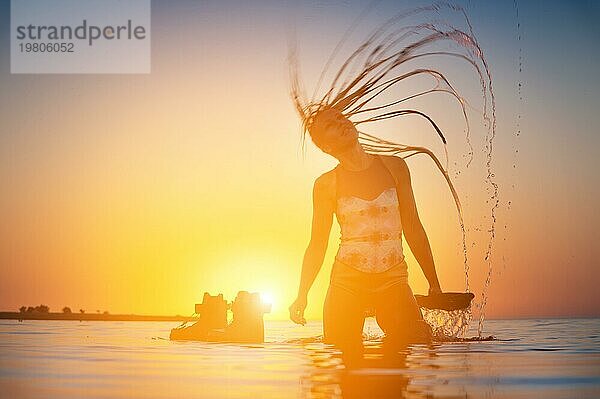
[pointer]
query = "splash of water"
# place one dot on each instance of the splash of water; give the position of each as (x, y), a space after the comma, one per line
(490, 123)
(447, 324)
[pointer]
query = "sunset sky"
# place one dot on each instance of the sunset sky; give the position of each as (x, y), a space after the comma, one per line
(137, 193)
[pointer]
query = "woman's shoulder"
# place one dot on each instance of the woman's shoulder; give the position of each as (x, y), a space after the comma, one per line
(325, 183)
(394, 160)
(397, 164)
(327, 178)
(397, 167)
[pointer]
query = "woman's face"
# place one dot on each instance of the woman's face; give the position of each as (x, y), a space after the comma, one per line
(332, 132)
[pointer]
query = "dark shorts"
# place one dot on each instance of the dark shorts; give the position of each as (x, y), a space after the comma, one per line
(352, 292)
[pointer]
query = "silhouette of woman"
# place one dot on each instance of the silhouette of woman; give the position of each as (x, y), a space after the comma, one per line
(370, 189)
(372, 199)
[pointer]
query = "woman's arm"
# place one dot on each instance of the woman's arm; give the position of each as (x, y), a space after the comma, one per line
(413, 228)
(315, 252)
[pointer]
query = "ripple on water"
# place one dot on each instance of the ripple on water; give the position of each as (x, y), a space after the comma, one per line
(111, 361)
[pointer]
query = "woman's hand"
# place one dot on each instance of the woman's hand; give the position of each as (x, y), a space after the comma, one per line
(297, 310)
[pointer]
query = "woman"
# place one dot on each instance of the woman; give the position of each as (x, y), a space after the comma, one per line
(373, 205)
(370, 192)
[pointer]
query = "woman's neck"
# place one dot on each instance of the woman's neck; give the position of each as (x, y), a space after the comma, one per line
(355, 159)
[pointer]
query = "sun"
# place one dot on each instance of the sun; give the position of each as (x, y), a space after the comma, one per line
(267, 298)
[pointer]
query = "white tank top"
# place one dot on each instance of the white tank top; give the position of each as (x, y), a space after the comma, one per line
(371, 230)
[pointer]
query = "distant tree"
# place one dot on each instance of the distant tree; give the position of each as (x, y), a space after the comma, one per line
(42, 309)
(23, 309)
(30, 309)
(105, 312)
(97, 311)
(82, 311)
(67, 309)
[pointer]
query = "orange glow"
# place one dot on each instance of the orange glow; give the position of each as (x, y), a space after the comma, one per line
(136, 194)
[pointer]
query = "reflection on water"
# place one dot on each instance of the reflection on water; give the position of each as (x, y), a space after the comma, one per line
(529, 358)
(379, 374)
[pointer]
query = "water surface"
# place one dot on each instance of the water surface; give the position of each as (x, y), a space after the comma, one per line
(549, 358)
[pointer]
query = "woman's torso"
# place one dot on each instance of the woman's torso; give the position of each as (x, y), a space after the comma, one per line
(368, 214)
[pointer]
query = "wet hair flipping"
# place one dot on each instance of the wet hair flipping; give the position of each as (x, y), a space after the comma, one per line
(375, 66)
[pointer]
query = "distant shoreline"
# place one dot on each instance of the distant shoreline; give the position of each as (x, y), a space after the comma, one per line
(90, 317)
